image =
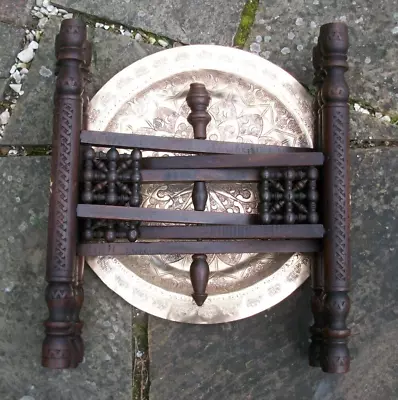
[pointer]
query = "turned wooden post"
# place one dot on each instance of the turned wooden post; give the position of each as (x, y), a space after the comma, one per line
(58, 347)
(335, 137)
(317, 273)
(198, 100)
(79, 267)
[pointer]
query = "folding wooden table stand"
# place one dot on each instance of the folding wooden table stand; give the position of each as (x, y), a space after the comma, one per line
(95, 199)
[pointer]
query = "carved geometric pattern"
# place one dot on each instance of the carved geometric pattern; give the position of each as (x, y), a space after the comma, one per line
(339, 206)
(114, 179)
(288, 196)
(62, 185)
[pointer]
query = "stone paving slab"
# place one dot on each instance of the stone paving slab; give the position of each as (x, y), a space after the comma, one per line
(31, 121)
(187, 21)
(106, 371)
(16, 12)
(11, 40)
(264, 357)
(288, 32)
(367, 127)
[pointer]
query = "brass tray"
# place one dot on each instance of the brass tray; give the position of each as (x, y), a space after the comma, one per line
(253, 101)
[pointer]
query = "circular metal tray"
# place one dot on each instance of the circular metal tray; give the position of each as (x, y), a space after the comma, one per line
(253, 101)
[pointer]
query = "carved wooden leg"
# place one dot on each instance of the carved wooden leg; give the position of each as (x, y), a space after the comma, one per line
(58, 350)
(79, 266)
(317, 269)
(198, 100)
(317, 307)
(335, 130)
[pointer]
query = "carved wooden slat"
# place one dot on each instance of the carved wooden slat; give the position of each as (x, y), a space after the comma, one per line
(158, 215)
(234, 161)
(305, 231)
(335, 137)
(194, 247)
(58, 348)
(146, 142)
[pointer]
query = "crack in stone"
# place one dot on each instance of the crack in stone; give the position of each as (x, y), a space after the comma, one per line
(96, 22)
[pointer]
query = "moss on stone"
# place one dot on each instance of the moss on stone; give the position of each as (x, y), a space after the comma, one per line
(140, 357)
(246, 23)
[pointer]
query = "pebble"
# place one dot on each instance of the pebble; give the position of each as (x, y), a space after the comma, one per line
(291, 35)
(255, 48)
(4, 117)
(395, 31)
(285, 50)
(313, 25)
(62, 11)
(378, 115)
(42, 22)
(267, 39)
(17, 76)
(266, 54)
(33, 45)
(300, 47)
(163, 43)
(24, 71)
(99, 25)
(45, 72)
(39, 3)
(35, 8)
(44, 11)
(39, 14)
(127, 33)
(26, 55)
(68, 16)
(30, 37)
(386, 118)
(106, 27)
(16, 87)
(152, 40)
(259, 39)
(138, 37)
(299, 21)
(46, 3)
(13, 69)
(51, 8)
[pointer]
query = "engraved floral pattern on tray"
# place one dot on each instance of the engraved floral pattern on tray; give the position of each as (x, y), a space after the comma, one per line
(242, 112)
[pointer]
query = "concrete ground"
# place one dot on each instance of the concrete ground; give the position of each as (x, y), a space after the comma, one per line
(263, 357)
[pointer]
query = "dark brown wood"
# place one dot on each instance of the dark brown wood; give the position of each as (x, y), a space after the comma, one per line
(317, 273)
(234, 161)
(335, 137)
(305, 231)
(198, 99)
(177, 145)
(79, 266)
(194, 247)
(288, 196)
(157, 215)
(204, 175)
(58, 348)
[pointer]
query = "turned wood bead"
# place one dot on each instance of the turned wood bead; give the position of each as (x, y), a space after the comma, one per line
(132, 235)
(199, 273)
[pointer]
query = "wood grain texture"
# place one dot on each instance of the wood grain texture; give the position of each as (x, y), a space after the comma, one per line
(145, 142)
(335, 140)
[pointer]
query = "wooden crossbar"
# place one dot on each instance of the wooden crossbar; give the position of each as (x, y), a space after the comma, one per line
(147, 142)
